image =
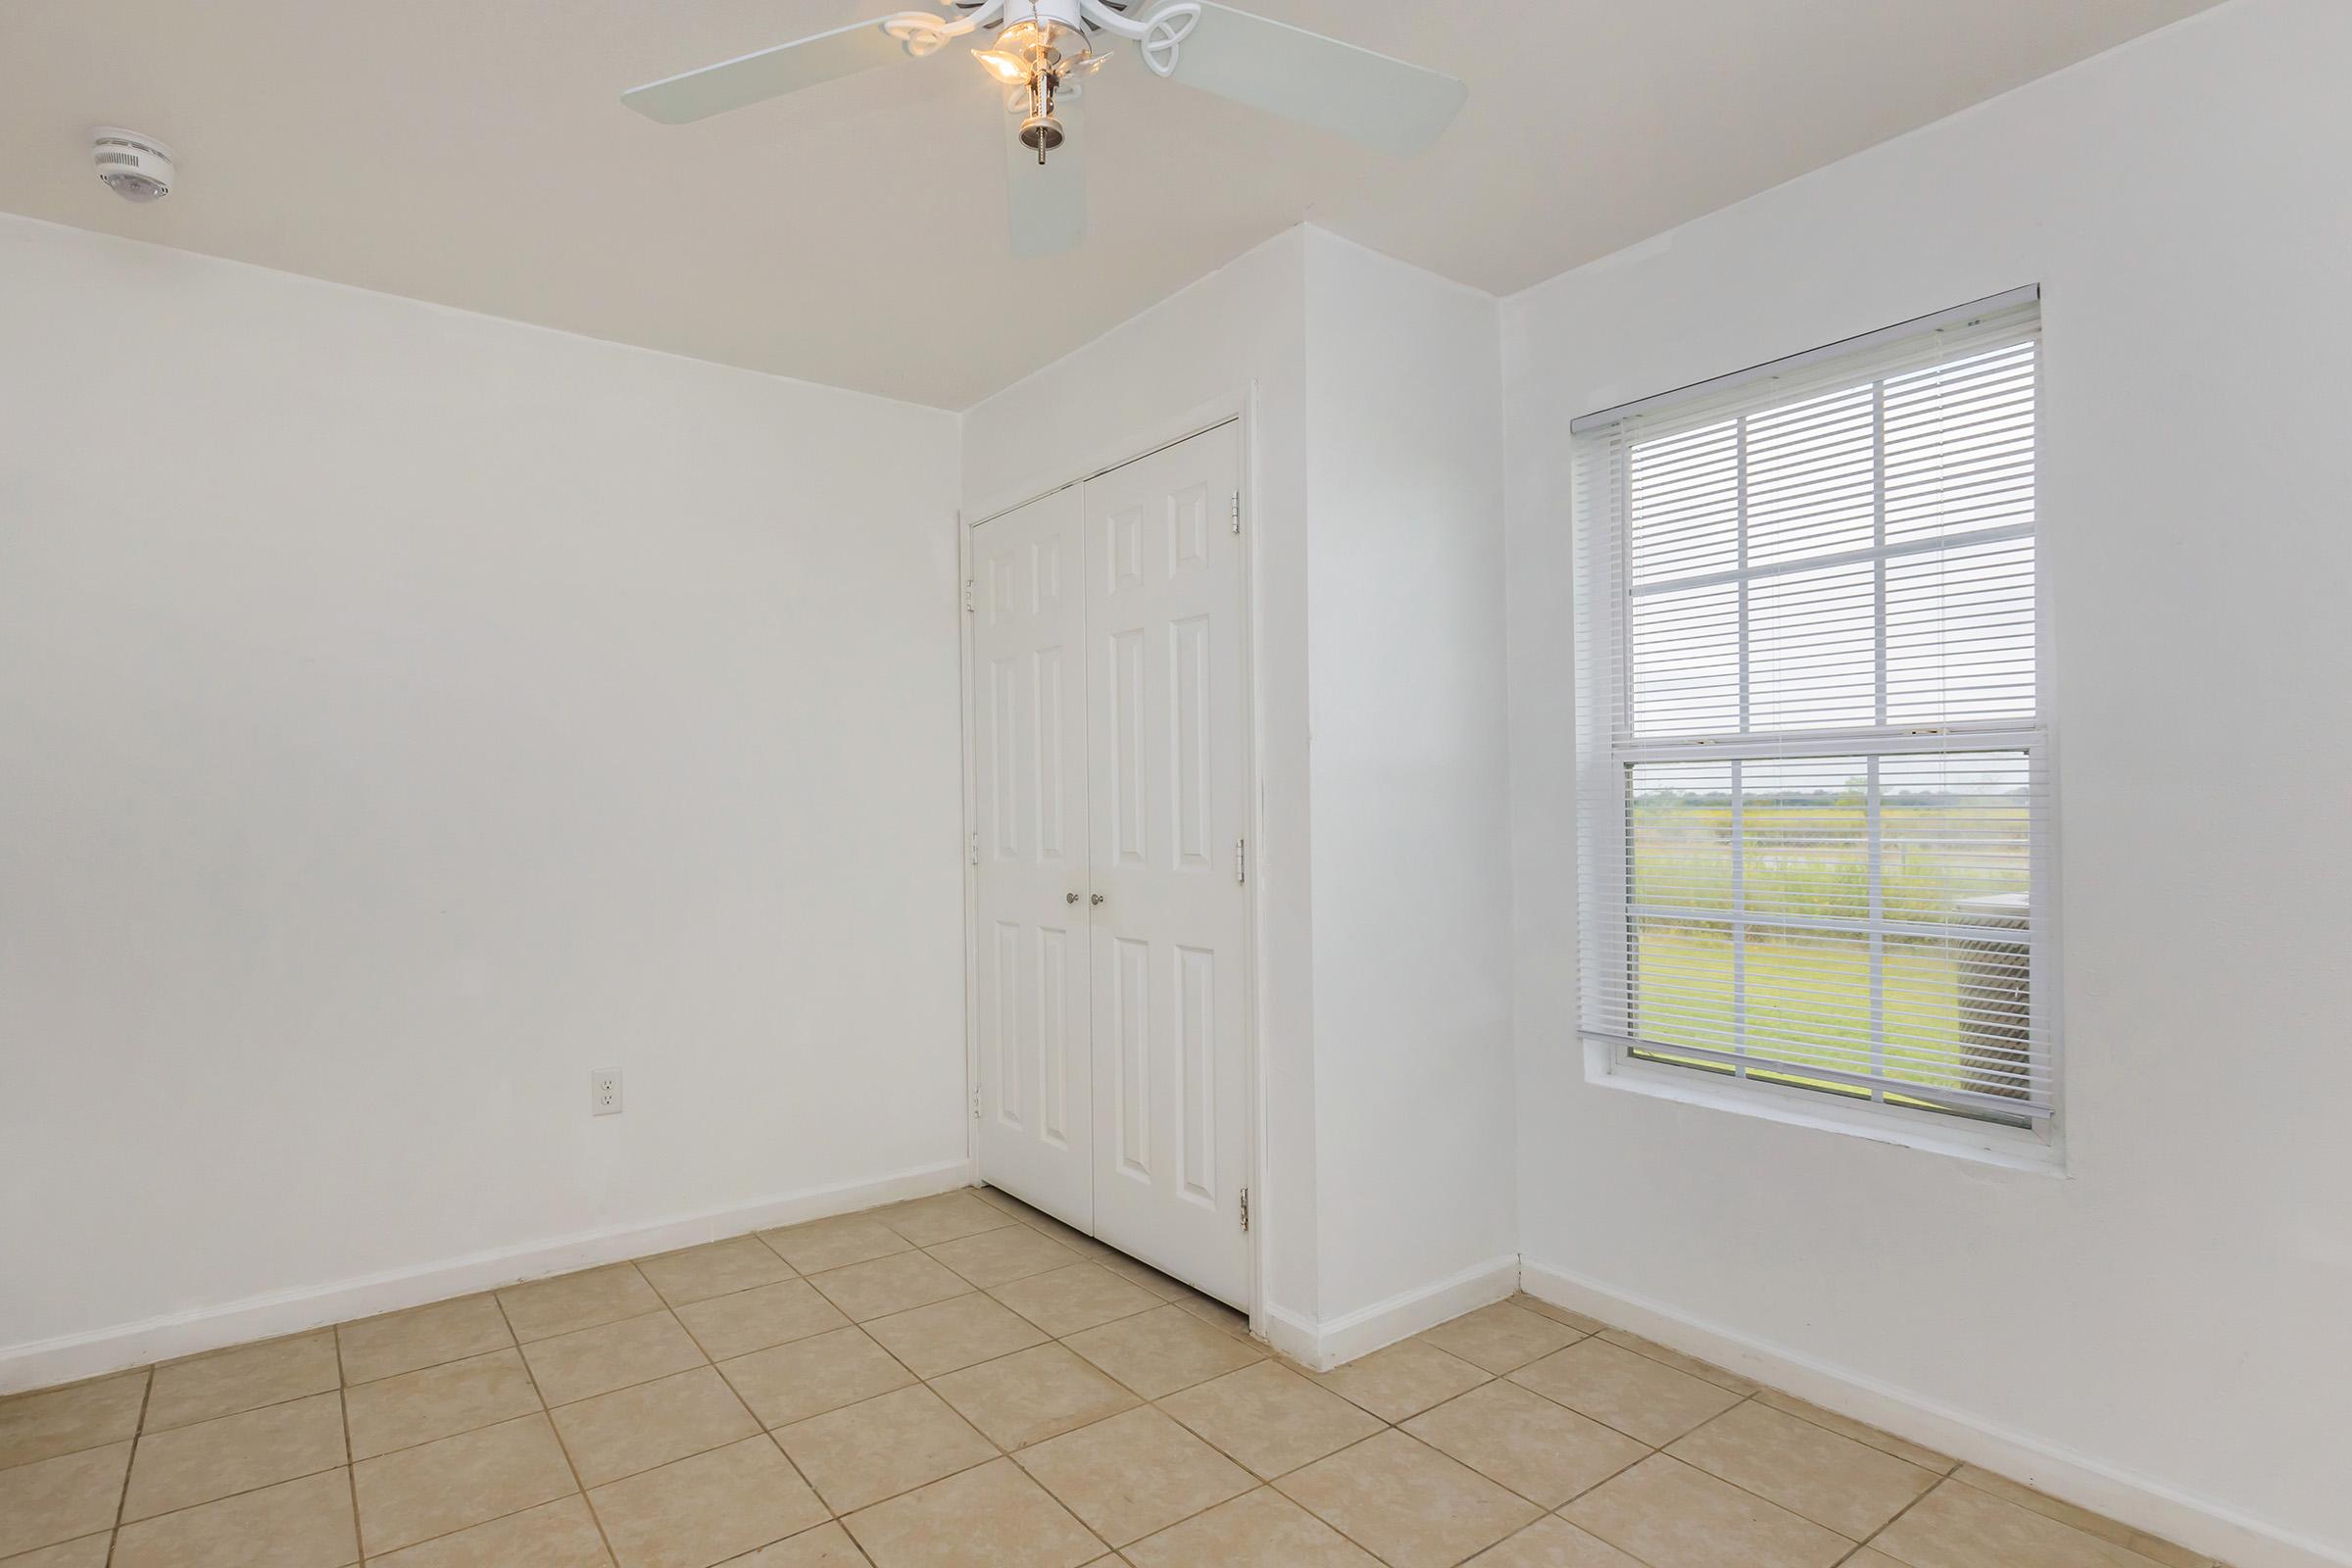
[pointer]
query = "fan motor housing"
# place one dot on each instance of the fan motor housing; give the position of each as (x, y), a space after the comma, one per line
(134, 166)
(1066, 12)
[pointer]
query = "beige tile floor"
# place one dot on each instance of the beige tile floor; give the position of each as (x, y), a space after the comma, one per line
(960, 1381)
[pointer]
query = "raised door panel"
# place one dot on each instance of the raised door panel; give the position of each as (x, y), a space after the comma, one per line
(1166, 742)
(1029, 761)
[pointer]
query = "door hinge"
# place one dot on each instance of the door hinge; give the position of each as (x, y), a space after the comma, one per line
(1245, 1208)
(975, 846)
(968, 585)
(975, 1103)
(1241, 861)
(1237, 512)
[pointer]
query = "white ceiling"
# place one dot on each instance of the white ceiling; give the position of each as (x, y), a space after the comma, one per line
(475, 152)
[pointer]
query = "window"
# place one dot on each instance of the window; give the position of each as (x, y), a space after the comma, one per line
(1815, 803)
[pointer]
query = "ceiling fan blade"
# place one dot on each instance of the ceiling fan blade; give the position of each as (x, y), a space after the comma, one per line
(1048, 202)
(1369, 98)
(769, 74)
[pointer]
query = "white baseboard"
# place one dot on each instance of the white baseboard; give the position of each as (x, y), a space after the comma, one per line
(2154, 1507)
(1334, 1341)
(42, 1363)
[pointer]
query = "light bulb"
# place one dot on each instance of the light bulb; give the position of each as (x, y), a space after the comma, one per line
(1010, 70)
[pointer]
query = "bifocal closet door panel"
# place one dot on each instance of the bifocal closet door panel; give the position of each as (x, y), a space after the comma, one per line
(1030, 754)
(1165, 747)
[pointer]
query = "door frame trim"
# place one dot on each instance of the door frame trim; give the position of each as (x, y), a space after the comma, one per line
(1237, 409)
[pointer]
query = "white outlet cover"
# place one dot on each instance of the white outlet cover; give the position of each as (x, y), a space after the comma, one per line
(604, 1092)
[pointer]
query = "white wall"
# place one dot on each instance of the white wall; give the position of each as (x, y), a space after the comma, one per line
(403, 713)
(2171, 1314)
(1412, 857)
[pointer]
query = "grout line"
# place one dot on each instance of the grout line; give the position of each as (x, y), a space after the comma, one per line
(491, 1296)
(231, 1415)
(242, 1492)
(1820, 1426)
(1770, 1502)
(1745, 1388)
(67, 1453)
(546, 1414)
(1134, 1274)
(351, 1466)
(1900, 1513)
(500, 1518)
(1554, 1516)
(122, 1496)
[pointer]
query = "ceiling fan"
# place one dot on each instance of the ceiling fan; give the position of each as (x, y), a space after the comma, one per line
(1040, 50)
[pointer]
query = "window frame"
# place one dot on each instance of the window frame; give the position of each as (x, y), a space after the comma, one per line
(1967, 1125)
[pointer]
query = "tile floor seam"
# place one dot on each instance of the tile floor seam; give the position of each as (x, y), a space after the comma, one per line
(617, 1388)
(1332, 1525)
(761, 1236)
(429, 1367)
(1821, 1426)
(123, 1524)
(925, 1247)
(1771, 1502)
(948, 1475)
(113, 1537)
(1935, 1486)
(1177, 1340)
(1257, 1487)
(1122, 1317)
(1256, 1482)
(500, 1296)
(1865, 1546)
(1064, 1340)
(355, 1457)
(266, 1405)
(595, 1520)
(1853, 1545)
(918, 1382)
(351, 1466)
(1959, 1480)
(1559, 1516)
(843, 1516)
(790, 1464)
(63, 1453)
(1538, 1502)
(741, 1290)
(496, 1518)
(242, 1492)
(1560, 1510)
(1620, 1431)
(759, 1428)
(1753, 1387)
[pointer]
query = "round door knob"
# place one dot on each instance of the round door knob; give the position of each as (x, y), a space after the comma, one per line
(1070, 898)
(1097, 898)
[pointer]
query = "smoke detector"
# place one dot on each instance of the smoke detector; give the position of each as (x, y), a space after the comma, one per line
(136, 168)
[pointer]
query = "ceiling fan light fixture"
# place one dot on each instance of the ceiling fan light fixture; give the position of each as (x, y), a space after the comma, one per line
(1043, 132)
(1041, 48)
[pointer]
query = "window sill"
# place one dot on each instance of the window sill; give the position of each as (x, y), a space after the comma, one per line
(2039, 1153)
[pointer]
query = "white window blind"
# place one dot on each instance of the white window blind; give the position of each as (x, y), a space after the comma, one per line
(1815, 804)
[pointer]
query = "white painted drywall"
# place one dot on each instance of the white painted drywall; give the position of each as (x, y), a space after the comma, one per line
(2174, 1310)
(1408, 769)
(403, 713)
(1240, 331)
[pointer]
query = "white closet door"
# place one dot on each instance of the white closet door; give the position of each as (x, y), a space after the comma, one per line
(1029, 751)
(1165, 753)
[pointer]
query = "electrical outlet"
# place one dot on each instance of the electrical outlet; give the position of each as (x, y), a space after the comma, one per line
(604, 1092)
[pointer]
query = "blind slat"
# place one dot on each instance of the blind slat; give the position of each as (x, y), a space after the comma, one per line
(1815, 803)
